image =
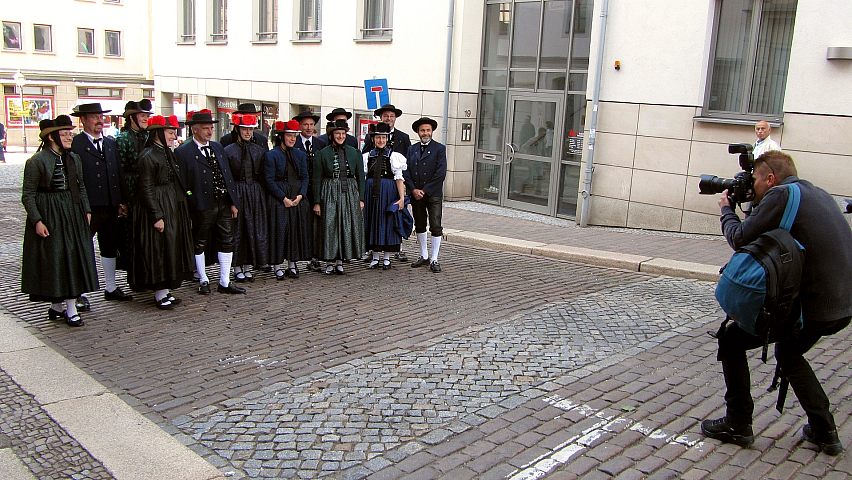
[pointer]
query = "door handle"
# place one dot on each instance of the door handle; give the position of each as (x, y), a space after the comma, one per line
(511, 154)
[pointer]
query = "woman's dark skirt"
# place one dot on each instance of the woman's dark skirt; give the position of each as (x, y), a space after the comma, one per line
(342, 223)
(289, 230)
(251, 229)
(379, 223)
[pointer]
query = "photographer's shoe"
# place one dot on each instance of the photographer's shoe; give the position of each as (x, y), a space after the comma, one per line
(827, 443)
(726, 432)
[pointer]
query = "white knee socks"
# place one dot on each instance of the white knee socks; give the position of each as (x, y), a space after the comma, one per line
(225, 268)
(424, 247)
(199, 267)
(436, 248)
(109, 273)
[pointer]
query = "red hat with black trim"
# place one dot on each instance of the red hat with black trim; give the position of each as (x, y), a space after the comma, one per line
(248, 120)
(158, 121)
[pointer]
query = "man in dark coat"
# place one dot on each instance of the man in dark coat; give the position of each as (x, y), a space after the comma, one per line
(213, 200)
(825, 297)
(102, 177)
(257, 137)
(335, 115)
(308, 142)
(424, 178)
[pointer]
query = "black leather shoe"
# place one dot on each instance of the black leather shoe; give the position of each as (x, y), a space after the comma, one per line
(165, 304)
(117, 294)
(83, 304)
(827, 443)
(175, 301)
(74, 321)
(240, 278)
(386, 265)
(280, 275)
(435, 267)
(419, 262)
(727, 432)
(338, 270)
(55, 314)
(204, 288)
(231, 289)
(292, 272)
(249, 277)
(314, 266)
(367, 256)
(400, 256)
(374, 264)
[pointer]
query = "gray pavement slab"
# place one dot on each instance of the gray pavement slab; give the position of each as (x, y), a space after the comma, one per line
(12, 468)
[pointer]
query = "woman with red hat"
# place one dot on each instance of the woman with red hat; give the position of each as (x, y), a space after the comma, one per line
(58, 254)
(286, 171)
(162, 250)
(245, 159)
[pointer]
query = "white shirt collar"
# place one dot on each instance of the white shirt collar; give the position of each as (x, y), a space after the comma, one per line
(200, 144)
(92, 138)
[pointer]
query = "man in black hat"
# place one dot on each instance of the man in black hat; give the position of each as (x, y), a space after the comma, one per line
(308, 142)
(213, 200)
(424, 178)
(399, 140)
(335, 115)
(257, 137)
(131, 140)
(102, 178)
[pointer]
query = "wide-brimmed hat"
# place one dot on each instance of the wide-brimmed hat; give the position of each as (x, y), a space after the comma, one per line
(244, 120)
(158, 121)
(337, 125)
(421, 121)
(380, 129)
(142, 106)
(248, 108)
(199, 117)
(387, 107)
(86, 108)
(48, 126)
(336, 112)
(290, 126)
(306, 114)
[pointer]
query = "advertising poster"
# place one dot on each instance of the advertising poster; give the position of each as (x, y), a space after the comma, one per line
(34, 110)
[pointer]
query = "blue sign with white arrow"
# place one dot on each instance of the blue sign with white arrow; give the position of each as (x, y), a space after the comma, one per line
(377, 92)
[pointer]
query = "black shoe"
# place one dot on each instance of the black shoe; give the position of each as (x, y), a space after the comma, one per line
(83, 304)
(117, 294)
(386, 265)
(280, 275)
(249, 277)
(240, 277)
(374, 264)
(74, 321)
(55, 314)
(726, 432)
(314, 266)
(175, 301)
(292, 272)
(827, 443)
(329, 270)
(165, 304)
(367, 256)
(204, 288)
(419, 262)
(338, 270)
(232, 289)
(400, 256)
(435, 267)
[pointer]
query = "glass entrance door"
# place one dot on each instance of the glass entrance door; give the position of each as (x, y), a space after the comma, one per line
(531, 154)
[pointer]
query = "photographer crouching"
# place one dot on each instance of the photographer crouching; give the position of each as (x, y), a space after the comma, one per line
(825, 296)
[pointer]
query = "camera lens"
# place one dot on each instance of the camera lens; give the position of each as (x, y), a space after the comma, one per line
(711, 184)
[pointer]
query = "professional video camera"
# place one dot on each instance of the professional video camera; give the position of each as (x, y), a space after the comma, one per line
(741, 187)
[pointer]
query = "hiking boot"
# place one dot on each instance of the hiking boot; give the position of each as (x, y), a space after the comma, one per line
(827, 443)
(724, 431)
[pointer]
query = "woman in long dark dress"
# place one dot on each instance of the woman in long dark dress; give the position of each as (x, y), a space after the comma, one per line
(58, 254)
(162, 249)
(384, 194)
(338, 184)
(286, 170)
(251, 237)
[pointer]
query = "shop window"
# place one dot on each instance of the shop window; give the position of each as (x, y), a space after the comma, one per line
(266, 20)
(113, 43)
(99, 92)
(186, 21)
(42, 38)
(376, 19)
(751, 53)
(85, 41)
(310, 20)
(12, 36)
(217, 23)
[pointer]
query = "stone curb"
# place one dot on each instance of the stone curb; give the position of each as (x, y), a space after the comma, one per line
(128, 445)
(598, 258)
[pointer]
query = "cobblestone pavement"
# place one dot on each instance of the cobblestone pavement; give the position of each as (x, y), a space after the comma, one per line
(42, 445)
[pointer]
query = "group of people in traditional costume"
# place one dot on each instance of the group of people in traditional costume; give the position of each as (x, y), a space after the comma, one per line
(164, 213)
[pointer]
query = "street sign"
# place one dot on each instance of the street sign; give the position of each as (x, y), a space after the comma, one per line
(377, 92)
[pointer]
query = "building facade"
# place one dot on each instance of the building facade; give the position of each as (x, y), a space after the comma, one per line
(67, 52)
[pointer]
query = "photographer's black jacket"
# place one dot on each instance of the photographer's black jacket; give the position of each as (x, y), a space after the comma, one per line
(826, 290)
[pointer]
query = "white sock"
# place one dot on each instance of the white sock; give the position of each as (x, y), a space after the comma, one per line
(291, 265)
(225, 268)
(247, 270)
(424, 248)
(386, 256)
(59, 306)
(436, 248)
(376, 256)
(109, 273)
(71, 307)
(161, 294)
(199, 268)
(238, 269)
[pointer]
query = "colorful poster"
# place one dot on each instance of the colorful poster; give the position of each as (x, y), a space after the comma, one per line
(33, 111)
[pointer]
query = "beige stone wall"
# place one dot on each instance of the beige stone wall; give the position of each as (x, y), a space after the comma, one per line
(648, 159)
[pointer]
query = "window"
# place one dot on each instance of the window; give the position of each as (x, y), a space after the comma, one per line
(12, 36)
(266, 20)
(99, 92)
(42, 38)
(28, 90)
(310, 20)
(148, 93)
(186, 21)
(85, 41)
(750, 57)
(113, 43)
(217, 21)
(378, 19)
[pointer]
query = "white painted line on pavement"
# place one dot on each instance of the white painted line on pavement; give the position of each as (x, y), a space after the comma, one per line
(563, 453)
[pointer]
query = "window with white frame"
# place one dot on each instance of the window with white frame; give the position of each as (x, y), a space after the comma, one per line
(112, 43)
(12, 36)
(186, 21)
(266, 20)
(217, 21)
(750, 56)
(42, 38)
(85, 41)
(378, 19)
(310, 20)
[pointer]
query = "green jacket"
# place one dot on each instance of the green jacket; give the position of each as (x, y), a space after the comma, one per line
(38, 172)
(324, 168)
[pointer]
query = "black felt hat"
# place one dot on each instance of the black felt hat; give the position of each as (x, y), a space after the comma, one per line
(247, 108)
(387, 107)
(48, 126)
(337, 125)
(421, 121)
(86, 108)
(142, 106)
(199, 117)
(381, 129)
(307, 114)
(338, 111)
